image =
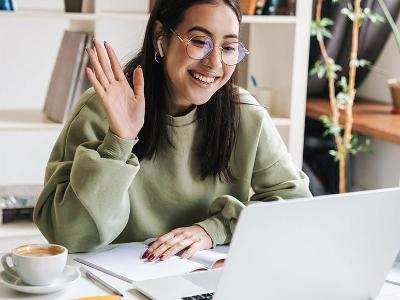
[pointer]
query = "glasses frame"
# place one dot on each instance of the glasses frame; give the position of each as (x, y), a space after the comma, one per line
(188, 41)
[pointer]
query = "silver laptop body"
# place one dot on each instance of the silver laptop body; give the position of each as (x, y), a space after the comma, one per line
(336, 247)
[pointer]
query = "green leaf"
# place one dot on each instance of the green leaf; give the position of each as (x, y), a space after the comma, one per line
(375, 18)
(360, 63)
(335, 68)
(330, 128)
(337, 155)
(356, 145)
(333, 152)
(319, 70)
(343, 99)
(343, 84)
(349, 13)
(326, 22)
(319, 29)
(350, 6)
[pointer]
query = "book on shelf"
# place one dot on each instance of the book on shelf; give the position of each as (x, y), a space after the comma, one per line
(248, 7)
(7, 5)
(268, 7)
(73, 6)
(87, 6)
(279, 7)
(16, 208)
(68, 80)
(260, 7)
(126, 261)
(82, 82)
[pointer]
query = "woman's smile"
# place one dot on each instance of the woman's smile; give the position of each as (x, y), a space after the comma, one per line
(202, 80)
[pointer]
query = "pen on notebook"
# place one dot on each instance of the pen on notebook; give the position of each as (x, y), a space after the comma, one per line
(101, 282)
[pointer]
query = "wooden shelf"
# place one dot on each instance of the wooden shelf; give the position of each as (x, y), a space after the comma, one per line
(280, 122)
(49, 14)
(372, 119)
(137, 16)
(129, 16)
(26, 120)
(269, 19)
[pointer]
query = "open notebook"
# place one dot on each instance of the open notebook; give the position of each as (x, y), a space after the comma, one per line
(126, 260)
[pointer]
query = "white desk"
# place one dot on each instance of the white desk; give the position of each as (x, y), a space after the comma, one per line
(13, 235)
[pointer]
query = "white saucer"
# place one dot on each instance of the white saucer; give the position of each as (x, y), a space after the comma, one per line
(70, 275)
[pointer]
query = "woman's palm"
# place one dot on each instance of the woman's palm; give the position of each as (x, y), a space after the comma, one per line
(124, 106)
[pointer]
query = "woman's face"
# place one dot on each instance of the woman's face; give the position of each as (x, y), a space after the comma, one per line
(185, 88)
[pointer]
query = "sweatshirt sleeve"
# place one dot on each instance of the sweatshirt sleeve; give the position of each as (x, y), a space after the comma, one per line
(84, 203)
(274, 177)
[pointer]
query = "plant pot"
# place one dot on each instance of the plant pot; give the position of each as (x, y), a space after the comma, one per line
(394, 85)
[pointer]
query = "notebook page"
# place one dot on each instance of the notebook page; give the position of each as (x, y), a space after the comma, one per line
(125, 260)
(209, 257)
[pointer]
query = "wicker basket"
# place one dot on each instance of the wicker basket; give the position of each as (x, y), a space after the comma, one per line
(248, 7)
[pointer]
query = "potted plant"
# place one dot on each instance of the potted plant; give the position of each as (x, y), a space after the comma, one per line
(341, 102)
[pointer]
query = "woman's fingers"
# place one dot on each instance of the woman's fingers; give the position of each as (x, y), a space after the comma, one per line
(102, 57)
(192, 250)
(98, 71)
(96, 84)
(172, 247)
(190, 239)
(115, 66)
(161, 240)
(138, 83)
(176, 248)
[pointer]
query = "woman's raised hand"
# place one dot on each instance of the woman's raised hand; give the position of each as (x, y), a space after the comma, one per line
(124, 107)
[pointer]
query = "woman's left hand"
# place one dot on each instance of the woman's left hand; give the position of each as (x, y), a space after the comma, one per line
(190, 239)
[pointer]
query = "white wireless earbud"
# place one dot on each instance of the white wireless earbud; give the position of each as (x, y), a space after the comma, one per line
(159, 46)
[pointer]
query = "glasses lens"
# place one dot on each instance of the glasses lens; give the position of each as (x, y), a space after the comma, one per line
(233, 53)
(199, 47)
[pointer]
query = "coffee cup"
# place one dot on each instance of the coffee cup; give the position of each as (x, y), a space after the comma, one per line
(36, 264)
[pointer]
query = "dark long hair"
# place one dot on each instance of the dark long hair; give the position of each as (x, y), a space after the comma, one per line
(218, 118)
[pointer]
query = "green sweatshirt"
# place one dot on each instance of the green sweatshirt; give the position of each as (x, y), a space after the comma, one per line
(97, 192)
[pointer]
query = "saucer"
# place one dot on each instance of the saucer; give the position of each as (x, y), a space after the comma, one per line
(69, 275)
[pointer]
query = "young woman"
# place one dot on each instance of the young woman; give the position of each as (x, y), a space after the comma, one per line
(167, 147)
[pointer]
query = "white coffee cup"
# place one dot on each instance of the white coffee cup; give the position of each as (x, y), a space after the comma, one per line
(36, 264)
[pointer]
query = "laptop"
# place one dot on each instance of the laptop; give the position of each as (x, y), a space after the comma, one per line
(336, 247)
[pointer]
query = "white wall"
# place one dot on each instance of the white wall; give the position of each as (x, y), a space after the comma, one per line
(381, 169)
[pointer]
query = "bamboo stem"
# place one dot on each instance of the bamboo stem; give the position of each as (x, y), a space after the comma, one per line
(331, 79)
(342, 142)
(342, 176)
(352, 92)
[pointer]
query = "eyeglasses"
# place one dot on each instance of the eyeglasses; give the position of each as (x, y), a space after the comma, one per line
(199, 47)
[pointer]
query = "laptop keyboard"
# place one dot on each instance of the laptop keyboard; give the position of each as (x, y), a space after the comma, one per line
(202, 296)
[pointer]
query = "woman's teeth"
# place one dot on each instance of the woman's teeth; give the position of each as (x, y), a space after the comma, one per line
(203, 79)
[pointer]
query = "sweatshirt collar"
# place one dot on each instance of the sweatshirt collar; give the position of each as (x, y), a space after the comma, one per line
(187, 119)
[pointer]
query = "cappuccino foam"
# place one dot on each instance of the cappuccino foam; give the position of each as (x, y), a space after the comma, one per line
(38, 251)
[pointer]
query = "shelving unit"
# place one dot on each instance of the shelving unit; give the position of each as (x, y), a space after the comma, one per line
(30, 42)
(373, 119)
(269, 19)
(48, 14)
